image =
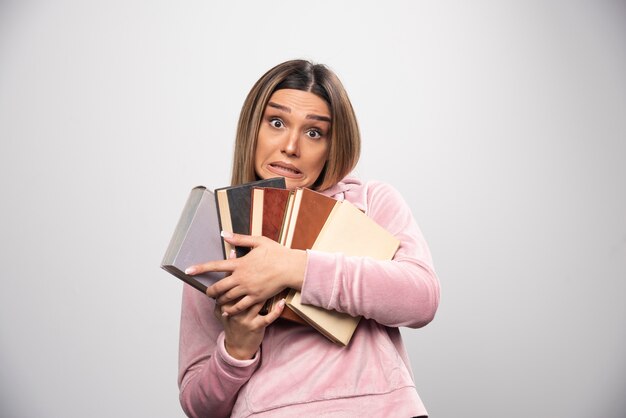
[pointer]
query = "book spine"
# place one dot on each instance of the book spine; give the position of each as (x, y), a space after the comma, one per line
(185, 278)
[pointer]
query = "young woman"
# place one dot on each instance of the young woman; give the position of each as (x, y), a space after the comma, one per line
(297, 122)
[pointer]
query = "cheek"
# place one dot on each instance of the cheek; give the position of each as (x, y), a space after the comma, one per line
(261, 151)
(320, 159)
(258, 160)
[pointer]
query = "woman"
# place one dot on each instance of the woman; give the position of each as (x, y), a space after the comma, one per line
(297, 122)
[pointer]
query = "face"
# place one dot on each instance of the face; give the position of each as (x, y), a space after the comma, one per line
(294, 138)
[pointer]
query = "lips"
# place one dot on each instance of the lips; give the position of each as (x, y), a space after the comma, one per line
(284, 169)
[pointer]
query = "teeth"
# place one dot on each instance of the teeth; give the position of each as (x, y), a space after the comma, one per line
(288, 169)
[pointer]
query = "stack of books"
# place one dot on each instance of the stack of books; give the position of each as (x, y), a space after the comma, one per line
(300, 219)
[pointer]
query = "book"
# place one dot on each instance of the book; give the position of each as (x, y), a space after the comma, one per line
(349, 231)
(196, 239)
(267, 216)
(268, 210)
(288, 211)
(233, 208)
(307, 211)
(308, 215)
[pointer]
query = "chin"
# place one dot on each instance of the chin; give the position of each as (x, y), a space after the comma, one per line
(294, 184)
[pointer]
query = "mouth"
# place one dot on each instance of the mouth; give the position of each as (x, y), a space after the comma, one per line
(284, 169)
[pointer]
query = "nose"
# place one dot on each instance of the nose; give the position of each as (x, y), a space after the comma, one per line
(291, 145)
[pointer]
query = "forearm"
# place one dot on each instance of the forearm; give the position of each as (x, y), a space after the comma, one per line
(209, 379)
(211, 387)
(393, 293)
(402, 292)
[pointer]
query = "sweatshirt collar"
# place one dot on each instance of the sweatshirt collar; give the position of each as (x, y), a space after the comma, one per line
(350, 188)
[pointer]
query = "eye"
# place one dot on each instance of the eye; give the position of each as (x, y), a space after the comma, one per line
(276, 123)
(314, 133)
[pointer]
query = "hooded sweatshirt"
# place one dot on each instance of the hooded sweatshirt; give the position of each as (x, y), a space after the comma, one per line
(299, 372)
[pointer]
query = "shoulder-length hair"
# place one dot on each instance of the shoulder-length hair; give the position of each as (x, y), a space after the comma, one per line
(345, 139)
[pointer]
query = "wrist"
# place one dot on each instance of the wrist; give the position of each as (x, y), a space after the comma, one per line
(297, 269)
(239, 353)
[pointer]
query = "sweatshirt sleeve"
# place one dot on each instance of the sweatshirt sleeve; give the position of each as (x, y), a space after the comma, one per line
(209, 378)
(400, 292)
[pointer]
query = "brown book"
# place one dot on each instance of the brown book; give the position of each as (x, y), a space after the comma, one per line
(349, 231)
(234, 204)
(269, 206)
(308, 215)
(307, 211)
(196, 239)
(267, 215)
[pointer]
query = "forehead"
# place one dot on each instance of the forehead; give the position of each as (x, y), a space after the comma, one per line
(300, 102)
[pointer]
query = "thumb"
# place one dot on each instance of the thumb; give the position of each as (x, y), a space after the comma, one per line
(274, 313)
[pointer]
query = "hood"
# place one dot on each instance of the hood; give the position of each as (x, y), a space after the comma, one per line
(351, 189)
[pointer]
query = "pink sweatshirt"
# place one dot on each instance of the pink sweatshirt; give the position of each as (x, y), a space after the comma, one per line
(297, 371)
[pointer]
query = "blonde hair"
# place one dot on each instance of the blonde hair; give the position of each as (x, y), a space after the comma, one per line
(345, 139)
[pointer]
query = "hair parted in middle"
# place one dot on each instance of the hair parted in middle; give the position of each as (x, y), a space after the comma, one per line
(345, 139)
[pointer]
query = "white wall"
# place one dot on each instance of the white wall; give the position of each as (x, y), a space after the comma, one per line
(502, 123)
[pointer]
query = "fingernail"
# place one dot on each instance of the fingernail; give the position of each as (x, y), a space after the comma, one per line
(226, 234)
(190, 270)
(224, 314)
(233, 254)
(281, 303)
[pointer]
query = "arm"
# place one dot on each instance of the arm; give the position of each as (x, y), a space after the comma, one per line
(208, 379)
(210, 375)
(401, 292)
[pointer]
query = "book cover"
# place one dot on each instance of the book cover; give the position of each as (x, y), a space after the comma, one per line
(234, 203)
(196, 239)
(309, 213)
(268, 214)
(349, 231)
(269, 206)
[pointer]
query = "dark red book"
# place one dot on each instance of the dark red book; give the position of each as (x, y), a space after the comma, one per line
(269, 206)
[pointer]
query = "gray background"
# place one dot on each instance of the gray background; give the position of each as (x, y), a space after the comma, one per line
(501, 122)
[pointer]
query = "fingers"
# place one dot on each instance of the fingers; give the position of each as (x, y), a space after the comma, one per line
(241, 240)
(218, 265)
(223, 285)
(223, 291)
(243, 304)
(227, 296)
(238, 240)
(274, 313)
(251, 316)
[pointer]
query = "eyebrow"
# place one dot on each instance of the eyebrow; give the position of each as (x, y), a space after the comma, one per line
(288, 110)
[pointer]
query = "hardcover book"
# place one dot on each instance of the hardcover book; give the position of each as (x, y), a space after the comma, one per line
(196, 239)
(307, 211)
(308, 215)
(349, 231)
(268, 214)
(234, 203)
(269, 207)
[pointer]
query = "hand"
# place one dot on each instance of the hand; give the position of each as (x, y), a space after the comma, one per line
(262, 273)
(243, 333)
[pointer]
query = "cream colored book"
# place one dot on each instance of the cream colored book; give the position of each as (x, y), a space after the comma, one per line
(349, 231)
